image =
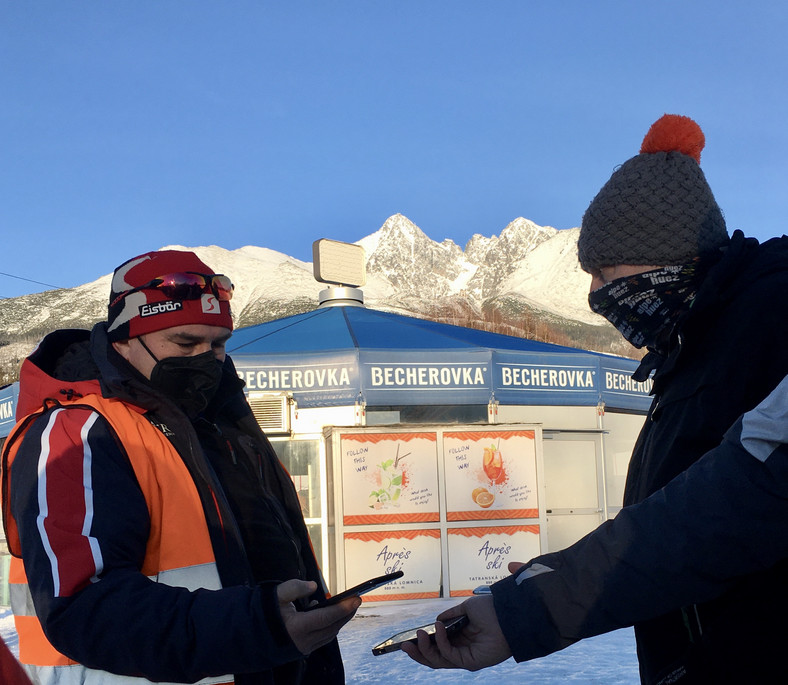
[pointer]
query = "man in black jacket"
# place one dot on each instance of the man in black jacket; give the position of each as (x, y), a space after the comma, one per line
(717, 525)
(713, 313)
(160, 537)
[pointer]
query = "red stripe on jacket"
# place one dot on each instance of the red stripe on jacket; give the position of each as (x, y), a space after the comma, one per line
(66, 460)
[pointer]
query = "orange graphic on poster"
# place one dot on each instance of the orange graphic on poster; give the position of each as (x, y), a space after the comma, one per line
(483, 497)
(493, 467)
(493, 464)
(490, 474)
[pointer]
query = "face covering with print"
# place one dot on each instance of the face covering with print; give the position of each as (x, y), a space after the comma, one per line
(190, 382)
(645, 307)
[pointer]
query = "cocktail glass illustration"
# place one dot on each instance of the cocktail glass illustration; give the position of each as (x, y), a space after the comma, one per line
(391, 478)
(493, 464)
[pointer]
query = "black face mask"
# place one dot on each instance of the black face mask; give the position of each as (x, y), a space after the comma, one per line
(645, 307)
(190, 382)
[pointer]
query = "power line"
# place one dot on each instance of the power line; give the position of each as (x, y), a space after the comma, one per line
(30, 280)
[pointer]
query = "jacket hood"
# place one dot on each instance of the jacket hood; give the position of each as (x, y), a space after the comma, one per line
(60, 367)
(73, 363)
(744, 261)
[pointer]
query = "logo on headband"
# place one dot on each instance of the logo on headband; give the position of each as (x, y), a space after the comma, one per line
(160, 308)
(210, 305)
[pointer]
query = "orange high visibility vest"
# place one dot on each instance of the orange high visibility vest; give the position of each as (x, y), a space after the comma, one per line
(178, 552)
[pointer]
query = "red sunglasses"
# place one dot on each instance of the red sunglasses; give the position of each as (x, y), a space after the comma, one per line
(186, 285)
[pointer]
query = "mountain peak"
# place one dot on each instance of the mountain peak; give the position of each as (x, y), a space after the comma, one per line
(399, 224)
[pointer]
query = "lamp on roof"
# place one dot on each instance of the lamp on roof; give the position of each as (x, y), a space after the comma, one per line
(343, 267)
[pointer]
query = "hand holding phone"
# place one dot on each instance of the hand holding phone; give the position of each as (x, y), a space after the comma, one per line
(479, 645)
(395, 642)
(310, 630)
(360, 589)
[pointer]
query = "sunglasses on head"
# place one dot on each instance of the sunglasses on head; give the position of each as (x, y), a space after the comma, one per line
(186, 285)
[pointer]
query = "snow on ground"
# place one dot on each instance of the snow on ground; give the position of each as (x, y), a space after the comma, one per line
(605, 660)
(7, 632)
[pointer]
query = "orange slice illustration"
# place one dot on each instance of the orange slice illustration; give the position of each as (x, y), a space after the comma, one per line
(485, 499)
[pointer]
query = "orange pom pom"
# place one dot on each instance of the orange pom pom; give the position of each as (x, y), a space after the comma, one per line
(674, 132)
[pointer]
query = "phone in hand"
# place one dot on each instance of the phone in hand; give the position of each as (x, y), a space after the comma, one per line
(360, 589)
(394, 643)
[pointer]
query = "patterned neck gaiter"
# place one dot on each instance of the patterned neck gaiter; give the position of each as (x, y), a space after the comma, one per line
(645, 307)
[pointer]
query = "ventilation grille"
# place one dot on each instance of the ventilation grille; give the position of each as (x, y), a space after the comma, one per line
(272, 412)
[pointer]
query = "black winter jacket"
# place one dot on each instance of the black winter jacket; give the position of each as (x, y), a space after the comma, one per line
(727, 354)
(686, 542)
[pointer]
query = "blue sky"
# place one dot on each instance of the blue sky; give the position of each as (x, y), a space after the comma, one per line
(133, 124)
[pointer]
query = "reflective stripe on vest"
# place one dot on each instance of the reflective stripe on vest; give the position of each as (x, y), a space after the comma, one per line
(178, 551)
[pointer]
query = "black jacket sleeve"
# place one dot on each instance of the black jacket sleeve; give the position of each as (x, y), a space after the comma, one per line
(93, 602)
(717, 522)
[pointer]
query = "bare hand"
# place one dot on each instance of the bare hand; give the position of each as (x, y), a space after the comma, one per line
(480, 644)
(515, 566)
(312, 629)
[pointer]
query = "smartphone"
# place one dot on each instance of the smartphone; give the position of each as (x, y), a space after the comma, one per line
(453, 626)
(482, 590)
(360, 589)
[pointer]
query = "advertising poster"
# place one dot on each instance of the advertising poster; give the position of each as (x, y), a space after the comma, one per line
(416, 553)
(490, 474)
(389, 478)
(480, 556)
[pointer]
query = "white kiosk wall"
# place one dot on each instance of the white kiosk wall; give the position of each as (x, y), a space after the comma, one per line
(619, 437)
(574, 485)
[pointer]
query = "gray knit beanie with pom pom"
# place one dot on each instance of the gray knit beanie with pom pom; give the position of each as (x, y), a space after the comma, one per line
(657, 208)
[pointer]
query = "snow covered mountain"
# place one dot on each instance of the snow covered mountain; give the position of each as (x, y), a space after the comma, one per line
(527, 267)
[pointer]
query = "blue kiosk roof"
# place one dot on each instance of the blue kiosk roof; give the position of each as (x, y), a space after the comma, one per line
(334, 356)
(337, 355)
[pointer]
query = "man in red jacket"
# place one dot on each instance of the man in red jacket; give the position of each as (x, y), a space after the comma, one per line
(160, 537)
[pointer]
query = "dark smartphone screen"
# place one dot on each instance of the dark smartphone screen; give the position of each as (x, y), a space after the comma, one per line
(453, 626)
(360, 589)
